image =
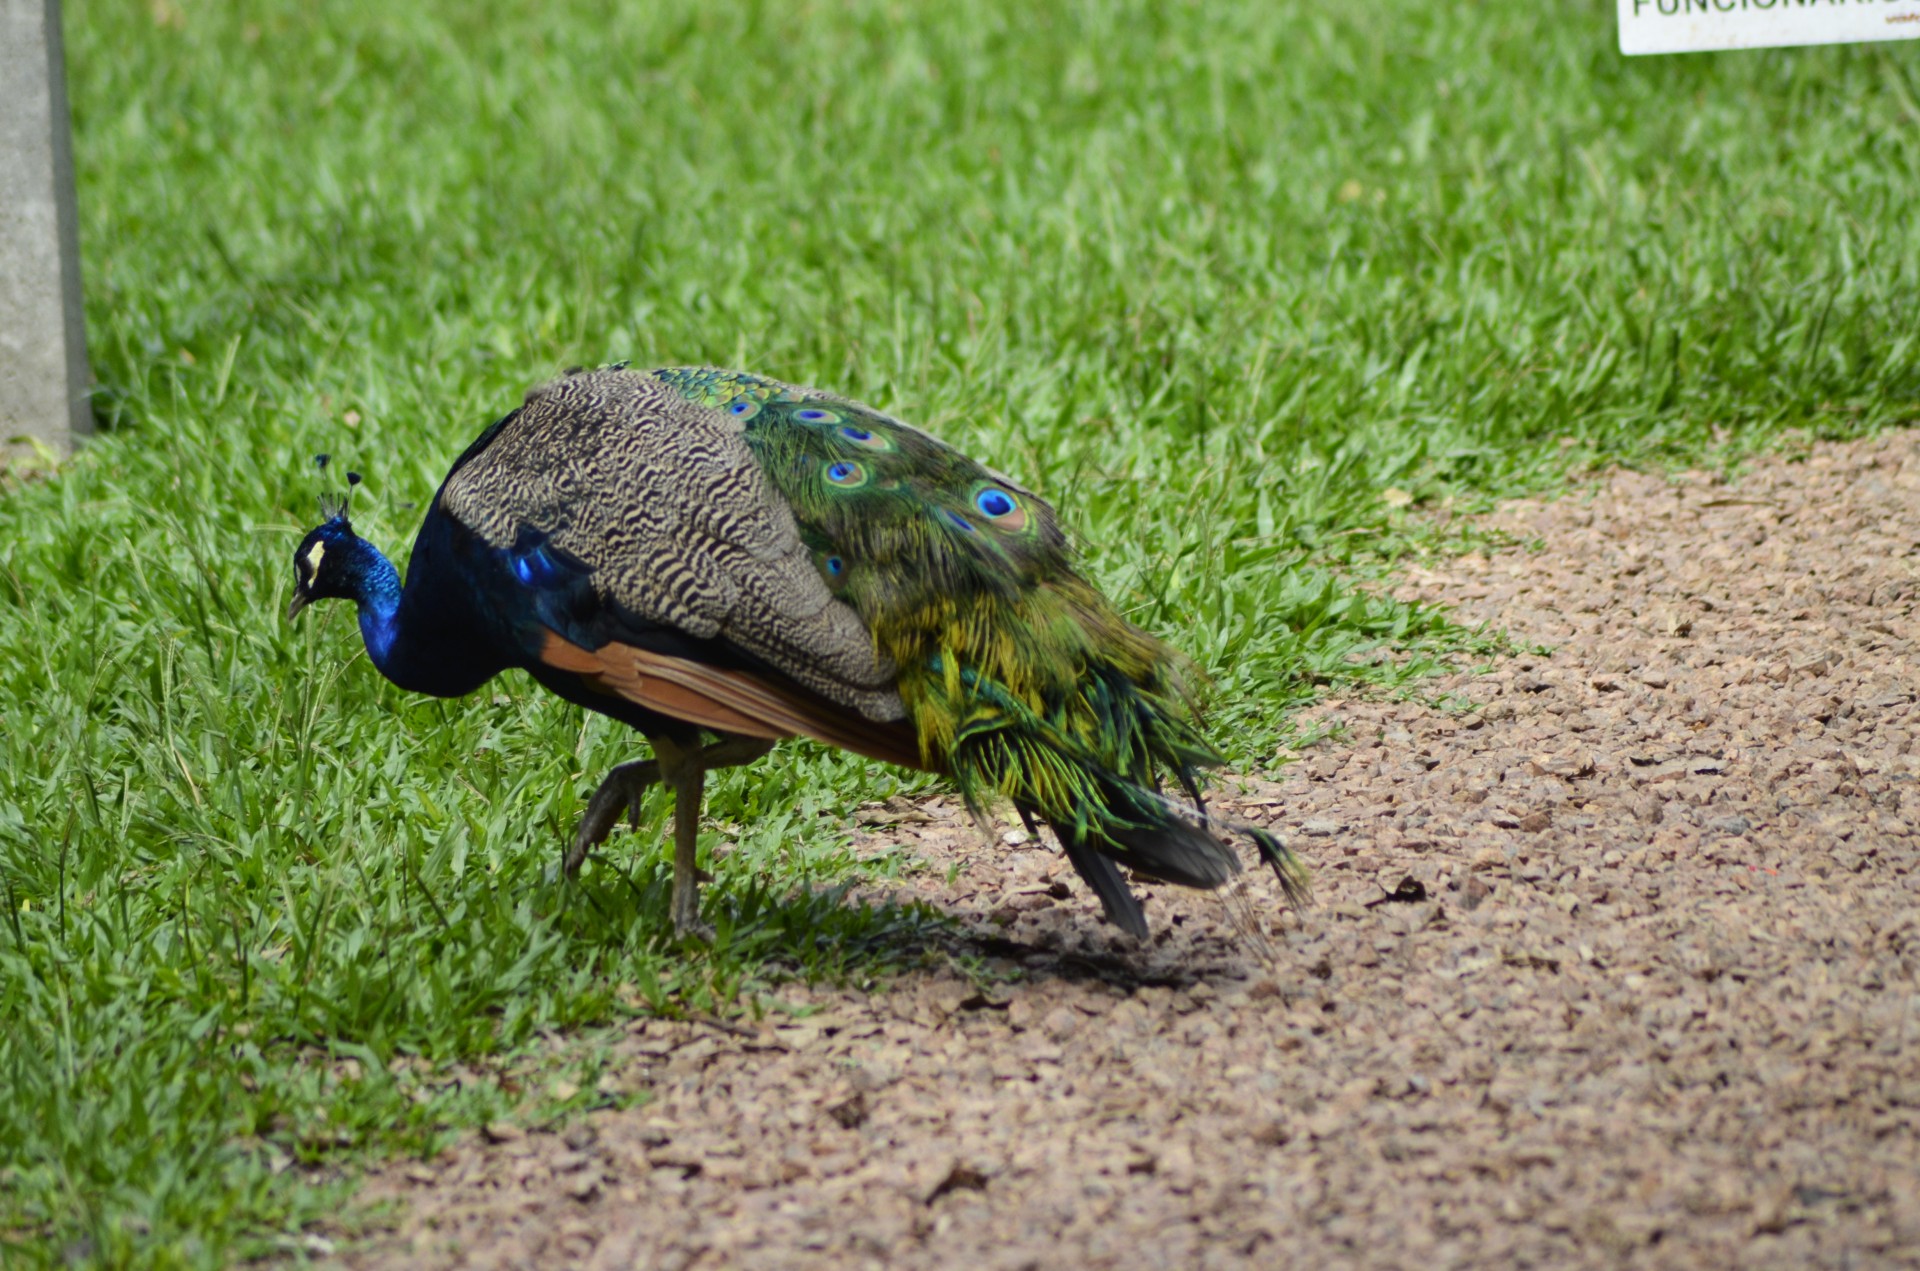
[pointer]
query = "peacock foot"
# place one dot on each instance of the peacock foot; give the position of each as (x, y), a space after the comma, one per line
(620, 792)
(698, 933)
(686, 907)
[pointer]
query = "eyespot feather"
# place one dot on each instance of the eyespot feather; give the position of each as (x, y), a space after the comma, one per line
(845, 474)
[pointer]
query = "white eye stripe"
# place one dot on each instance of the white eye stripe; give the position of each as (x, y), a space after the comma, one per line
(314, 554)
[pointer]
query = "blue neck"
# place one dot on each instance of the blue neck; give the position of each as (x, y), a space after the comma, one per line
(425, 637)
(378, 596)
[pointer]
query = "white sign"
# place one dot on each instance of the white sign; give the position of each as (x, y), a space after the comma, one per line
(1689, 26)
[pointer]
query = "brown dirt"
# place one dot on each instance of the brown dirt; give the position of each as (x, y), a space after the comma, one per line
(1648, 998)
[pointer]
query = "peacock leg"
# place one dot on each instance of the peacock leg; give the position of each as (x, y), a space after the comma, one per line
(687, 774)
(688, 782)
(684, 771)
(621, 791)
(731, 752)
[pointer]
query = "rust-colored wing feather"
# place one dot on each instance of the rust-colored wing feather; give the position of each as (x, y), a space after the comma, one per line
(729, 700)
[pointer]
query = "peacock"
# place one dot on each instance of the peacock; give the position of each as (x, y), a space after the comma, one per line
(721, 561)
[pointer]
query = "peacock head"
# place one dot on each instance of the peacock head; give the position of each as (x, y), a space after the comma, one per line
(327, 565)
(332, 562)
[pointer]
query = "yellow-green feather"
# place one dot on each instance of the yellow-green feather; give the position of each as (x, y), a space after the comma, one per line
(1024, 682)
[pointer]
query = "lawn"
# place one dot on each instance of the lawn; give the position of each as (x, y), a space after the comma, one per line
(1246, 286)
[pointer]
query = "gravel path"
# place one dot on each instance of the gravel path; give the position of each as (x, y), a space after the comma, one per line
(1612, 962)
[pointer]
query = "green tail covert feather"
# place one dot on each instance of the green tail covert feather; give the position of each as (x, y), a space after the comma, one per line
(1022, 681)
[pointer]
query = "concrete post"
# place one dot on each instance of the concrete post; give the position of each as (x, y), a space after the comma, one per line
(43, 340)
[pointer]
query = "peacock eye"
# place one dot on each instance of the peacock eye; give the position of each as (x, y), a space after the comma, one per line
(741, 408)
(844, 473)
(993, 503)
(813, 416)
(836, 566)
(856, 434)
(1004, 512)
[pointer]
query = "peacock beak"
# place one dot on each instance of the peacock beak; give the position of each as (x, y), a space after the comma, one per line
(295, 605)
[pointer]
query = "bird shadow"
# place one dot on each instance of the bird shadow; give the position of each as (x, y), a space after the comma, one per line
(769, 928)
(762, 927)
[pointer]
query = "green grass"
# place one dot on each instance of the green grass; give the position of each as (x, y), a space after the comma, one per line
(1216, 276)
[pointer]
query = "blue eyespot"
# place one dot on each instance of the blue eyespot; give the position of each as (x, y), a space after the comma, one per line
(740, 407)
(993, 503)
(811, 416)
(960, 522)
(842, 471)
(836, 566)
(856, 434)
(1005, 513)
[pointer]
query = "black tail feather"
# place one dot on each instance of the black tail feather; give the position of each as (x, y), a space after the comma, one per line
(1178, 844)
(1122, 906)
(1176, 852)
(1286, 866)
